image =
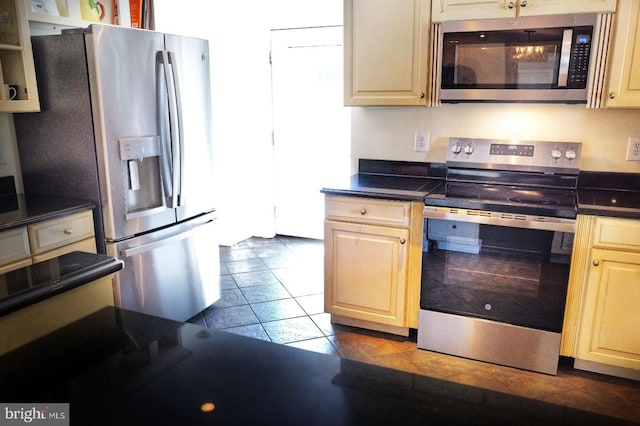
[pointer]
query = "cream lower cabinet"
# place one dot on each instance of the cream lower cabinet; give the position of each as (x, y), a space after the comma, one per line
(34, 321)
(610, 328)
(605, 297)
(372, 263)
(55, 237)
(14, 249)
(45, 240)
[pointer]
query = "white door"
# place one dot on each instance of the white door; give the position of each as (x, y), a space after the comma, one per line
(311, 126)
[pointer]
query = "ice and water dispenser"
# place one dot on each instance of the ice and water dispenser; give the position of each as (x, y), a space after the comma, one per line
(142, 162)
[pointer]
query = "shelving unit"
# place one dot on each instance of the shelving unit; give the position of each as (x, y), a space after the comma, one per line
(76, 13)
(16, 60)
(53, 16)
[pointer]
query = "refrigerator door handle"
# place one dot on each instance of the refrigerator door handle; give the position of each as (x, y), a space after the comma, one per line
(164, 129)
(134, 251)
(177, 119)
(170, 124)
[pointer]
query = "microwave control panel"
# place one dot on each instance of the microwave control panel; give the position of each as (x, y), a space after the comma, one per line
(579, 60)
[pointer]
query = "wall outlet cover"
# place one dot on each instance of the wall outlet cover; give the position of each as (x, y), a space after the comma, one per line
(421, 141)
(633, 149)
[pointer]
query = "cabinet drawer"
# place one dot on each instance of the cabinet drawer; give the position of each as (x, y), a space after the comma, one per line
(617, 233)
(368, 210)
(59, 232)
(14, 246)
(88, 245)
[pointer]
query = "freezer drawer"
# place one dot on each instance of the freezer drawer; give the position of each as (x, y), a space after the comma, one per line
(171, 273)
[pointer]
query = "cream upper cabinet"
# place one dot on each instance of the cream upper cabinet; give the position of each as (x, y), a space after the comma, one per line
(386, 48)
(373, 258)
(604, 294)
(18, 89)
(623, 69)
(450, 10)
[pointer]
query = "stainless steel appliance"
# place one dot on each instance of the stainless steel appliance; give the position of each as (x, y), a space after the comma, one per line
(498, 242)
(537, 59)
(125, 122)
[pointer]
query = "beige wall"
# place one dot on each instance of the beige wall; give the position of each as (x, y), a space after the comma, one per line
(388, 133)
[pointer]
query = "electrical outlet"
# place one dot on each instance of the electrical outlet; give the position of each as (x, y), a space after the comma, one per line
(633, 149)
(421, 141)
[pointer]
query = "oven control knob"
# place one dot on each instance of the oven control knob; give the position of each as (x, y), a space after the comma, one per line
(556, 154)
(456, 149)
(468, 149)
(570, 154)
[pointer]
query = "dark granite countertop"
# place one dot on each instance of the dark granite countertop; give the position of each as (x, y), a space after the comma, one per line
(20, 210)
(609, 194)
(395, 180)
(32, 284)
(599, 193)
(117, 367)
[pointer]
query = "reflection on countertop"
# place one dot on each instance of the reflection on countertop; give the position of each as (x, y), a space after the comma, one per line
(121, 367)
(609, 194)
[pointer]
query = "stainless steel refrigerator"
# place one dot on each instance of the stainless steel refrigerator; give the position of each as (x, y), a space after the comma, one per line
(125, 122)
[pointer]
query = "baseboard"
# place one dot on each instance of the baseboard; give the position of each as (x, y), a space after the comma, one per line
(369, 325)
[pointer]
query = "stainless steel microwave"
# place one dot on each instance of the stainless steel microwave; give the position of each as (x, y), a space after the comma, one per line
(530, 59)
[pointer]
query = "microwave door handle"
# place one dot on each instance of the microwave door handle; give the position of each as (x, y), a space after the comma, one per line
(162, 112)
(565, 56)
(177, 134)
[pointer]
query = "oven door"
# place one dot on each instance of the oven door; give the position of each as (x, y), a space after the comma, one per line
(478, 267)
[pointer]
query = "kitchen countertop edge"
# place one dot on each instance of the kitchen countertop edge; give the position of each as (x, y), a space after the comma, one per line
(34, 209)
(100, 266)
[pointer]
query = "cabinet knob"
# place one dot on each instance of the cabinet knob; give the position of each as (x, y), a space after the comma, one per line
(363, 211)
(523, 3)
(68, 231)
(510, 5)
(402, 241)
(612, 95)
(422, 95)
(596, 262)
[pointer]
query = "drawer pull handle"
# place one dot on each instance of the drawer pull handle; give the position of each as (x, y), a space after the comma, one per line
(596, 262)
(68, 231)
(402, 241)
(363, 212)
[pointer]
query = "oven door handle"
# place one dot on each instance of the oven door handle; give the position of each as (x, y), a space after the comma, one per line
(513, 220)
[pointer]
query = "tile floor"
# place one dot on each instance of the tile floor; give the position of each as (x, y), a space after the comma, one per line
(272, 289)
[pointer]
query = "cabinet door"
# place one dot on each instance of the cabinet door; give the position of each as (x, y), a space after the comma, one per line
(555, 7)
(14, 246)
(623, 70)
(18, 89)
(386, 48)
(449, 10)
(365, 272)
(453, 10)
(609, 331)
